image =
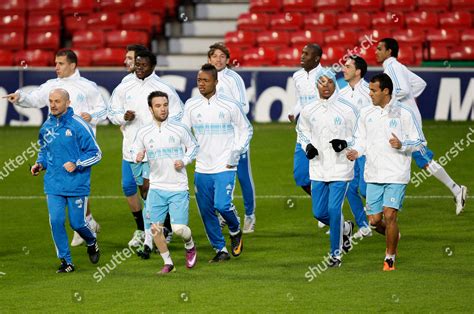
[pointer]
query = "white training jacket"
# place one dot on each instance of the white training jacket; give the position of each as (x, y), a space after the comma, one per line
(357, 96)
(306, 89)
(374, 130)
(84, 96)
(406, 84)
(132, 94)
(321, 122)
(222, 130)
(165, 144)
(230, 83)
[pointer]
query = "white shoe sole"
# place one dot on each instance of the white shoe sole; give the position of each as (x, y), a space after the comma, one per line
(463, 197)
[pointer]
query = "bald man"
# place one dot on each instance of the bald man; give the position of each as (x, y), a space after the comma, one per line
(68, 151)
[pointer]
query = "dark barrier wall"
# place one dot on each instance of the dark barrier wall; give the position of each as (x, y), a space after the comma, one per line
(448, 96)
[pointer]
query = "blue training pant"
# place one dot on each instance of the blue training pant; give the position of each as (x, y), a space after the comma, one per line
(300, 167)
(129, 187)
(327, 200)
(77, 207)
(356, 186)
(214, 193)
(244, 174)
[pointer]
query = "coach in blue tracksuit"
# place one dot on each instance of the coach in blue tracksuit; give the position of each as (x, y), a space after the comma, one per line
(68, 150)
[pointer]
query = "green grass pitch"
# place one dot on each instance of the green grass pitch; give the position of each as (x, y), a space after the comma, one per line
(434, 268)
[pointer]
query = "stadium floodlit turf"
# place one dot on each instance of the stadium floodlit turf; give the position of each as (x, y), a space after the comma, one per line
(434, 268)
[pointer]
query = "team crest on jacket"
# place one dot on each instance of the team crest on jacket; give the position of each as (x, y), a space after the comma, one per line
(80, 98)
(337, 120)
(393, 123)
(68, 132)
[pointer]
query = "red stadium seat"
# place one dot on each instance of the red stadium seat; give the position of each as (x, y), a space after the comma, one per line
(264, 6)
(465, 52)
(44, 6)
(346, 38)
(258, 57)
(153, 6)
(354, 20)
(408, 55)
(368, 55)
(42, 40)
(120, 6)
(467, 36)
(107, 57)
(445, 36)
(242, 38)
(302, 38)
(332, 54)
(286, 21)
(421, 20)
(273, 39)
(332, 5)
(366, 5)
(88, 39)
(373, 35)
(13, 40)
(140, 20)
(122, 38)
(399, 5)
(12, 22)
(78, 7)
(457, 20)
(388, 20)
(436, 52)
(320, 21)
(6, 57)
(44, 22)
(433, 5)
(253, 22)
(84, 57)
(75, 23)
(37, 57)
(13, 7)
(289, 57)
(103, 21)
(409, 36)
(467, 5)
(303, 6)
(236, 52)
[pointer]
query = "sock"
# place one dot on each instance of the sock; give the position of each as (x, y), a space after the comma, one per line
(224, 249)
(167, 222)
(189, 244)
(438, 171)
(347, 228)
(139, 220)
(166, 258)
(387, 256)
(148, 238)
(89, 218)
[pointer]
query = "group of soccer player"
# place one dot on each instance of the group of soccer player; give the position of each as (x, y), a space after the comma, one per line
(359, 141)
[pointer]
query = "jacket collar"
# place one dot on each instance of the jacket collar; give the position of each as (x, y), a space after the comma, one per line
(69, 113)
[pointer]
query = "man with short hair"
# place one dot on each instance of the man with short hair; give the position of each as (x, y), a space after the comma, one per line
(387, 134)
(407, 86)
(231, 84)
(68, 150)
(223, 133)
(87, 102)
(169, 146)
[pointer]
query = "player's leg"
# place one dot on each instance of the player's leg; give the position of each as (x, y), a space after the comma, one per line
(129, 188)
(94, 225)
(244, 174)
(57, 219)
(224, 188)
(301, 169)
(319, 201)
(341, 231)
(354, 196)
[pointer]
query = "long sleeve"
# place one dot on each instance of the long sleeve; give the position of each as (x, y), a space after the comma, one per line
(116, 108)
(99, 113)
(186, 118)
(418, 85)
(401, 87)
(303, 129)
(138, 146)
(239, 93)
(37, 98)
(243, 128)
(176, 105)
(359, 142)
(412, 138)
(90, 151)
(42, 152)
(191, 144)
(298, 107)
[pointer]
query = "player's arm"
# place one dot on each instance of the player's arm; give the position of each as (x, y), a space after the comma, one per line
(37, 98)
(186, 118)
(358, 143)
(191, 144)
(297, 108)
(243, 132)
(116, 110)
(90, 151)
(412, 138)
(138, 148)
(41, 162)
(401, 81)
(99, 111)
(240, 93)
(417, 84)
(303, 131)
(175, 104)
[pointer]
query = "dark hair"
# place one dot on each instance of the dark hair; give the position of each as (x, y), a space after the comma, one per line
(218, 46)
(210, 68)
(316, 48)
(392, 44)
(360, 64)
(384, 82)
(71, 56)
(146, 54)
(136, 47)
(156, 94)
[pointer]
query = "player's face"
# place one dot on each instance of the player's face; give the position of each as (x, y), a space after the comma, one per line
(218, 59)
(377, 95)
(309, 60)
(159, 108)
(326, 87)
(206, 84)
(129, 61)
(381, 53)
(63, 67)
(143, 67)
(349, 70)
(57, 104)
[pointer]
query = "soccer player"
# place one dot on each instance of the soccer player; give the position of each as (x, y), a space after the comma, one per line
(306, 92)
(387, 134)
(169, 146)
(407, 86)
(129, 109)
(356, 92)
(321, 128)
(68, 150)
(223, 133)
(87, 102)
(231, 84)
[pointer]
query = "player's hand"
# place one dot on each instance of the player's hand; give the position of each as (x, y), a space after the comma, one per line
(140, 156)
(35, 170)
(311, 151)
(13, 97)
(69, 166)
(129, 115)
(178, 164)
(352, 154)
(338, 145)
(291, 117)
(395, 142)
(87, 117)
